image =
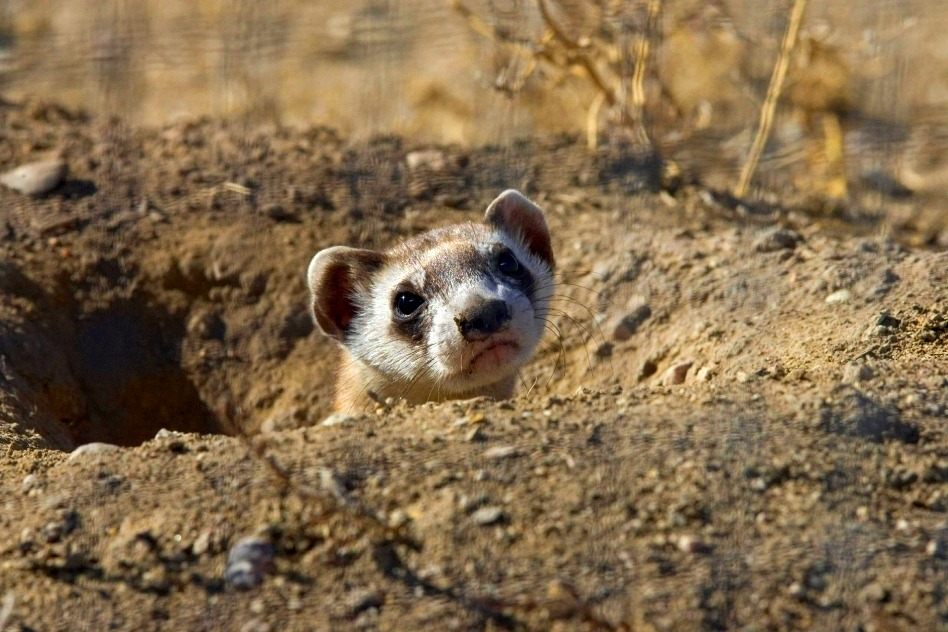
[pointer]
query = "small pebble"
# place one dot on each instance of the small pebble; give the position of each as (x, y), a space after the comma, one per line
(92, 449)
(475, 435)
(840, 296)
(201, 544)
(691, 544)
(358, 601)
(676, 373)
(887, 320)
(486, 516)
(338, 419)
(501, 452)
(53, 531)
(256, 625)
(937, 549)
(30, 481)
(705, 374)
(248, 562)
(775, 239)
(875, 592)
(629, 324)
(35, 178)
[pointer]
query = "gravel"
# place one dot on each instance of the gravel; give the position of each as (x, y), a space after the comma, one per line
(676, 373)
(628, 324)
(839, 296)
(35, 178)
(774, 239)
(338, 419)
(360, 600)
(248, 562)
(499, 452)
(95, 448)
(486, 516)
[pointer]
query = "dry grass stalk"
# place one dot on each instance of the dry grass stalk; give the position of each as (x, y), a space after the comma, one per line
(769, 107)
(596, 60)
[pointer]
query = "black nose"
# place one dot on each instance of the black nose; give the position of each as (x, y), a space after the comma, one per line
(483, 319)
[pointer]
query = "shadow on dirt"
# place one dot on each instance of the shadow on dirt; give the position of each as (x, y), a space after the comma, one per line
(110, 373)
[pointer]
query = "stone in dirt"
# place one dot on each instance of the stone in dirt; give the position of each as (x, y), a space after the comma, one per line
(840, 296)
(96, 448)
(628, 324)
(775, 239)
(501, 452)
(35, 178)
(248, 562)
(360, 600)
(338, 419)
(676, 373)
(486, 516)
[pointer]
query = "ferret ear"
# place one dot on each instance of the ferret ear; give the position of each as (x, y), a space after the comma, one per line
(336, 277)
(514, 214)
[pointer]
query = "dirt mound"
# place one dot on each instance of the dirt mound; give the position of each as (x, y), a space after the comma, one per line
(738, 420)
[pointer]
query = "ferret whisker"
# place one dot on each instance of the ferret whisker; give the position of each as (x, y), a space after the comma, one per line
(592, 315)
(532, 386)
(583, 338)
(561, 356)
(570, 299)
(588, 334)
(554, 283)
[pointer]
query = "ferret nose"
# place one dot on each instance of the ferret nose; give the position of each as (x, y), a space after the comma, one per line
(483, 319)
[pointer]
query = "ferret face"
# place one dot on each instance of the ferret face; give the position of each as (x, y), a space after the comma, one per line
(447, 312)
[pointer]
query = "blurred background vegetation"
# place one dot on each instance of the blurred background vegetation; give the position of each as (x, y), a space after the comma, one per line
(863, 117)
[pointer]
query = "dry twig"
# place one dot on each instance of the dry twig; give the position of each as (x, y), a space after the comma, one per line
(598, 61)
(773, 95)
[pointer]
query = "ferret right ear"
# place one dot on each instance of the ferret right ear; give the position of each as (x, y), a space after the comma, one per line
(337, 277)
(516, 215)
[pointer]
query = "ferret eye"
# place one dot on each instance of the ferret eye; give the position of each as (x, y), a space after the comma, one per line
(407, 303)
(509, 266)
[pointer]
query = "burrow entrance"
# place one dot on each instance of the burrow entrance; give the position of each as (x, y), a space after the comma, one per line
(107, 371)
(128, 366)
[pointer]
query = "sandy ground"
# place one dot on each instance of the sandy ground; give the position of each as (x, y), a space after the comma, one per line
(740, 426)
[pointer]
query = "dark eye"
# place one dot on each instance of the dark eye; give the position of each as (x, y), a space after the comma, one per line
(508, 265)
(407, 303)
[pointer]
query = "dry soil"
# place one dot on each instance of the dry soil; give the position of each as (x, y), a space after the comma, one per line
(739, 421)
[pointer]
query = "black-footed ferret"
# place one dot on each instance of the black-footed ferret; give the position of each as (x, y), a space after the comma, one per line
(448, 314)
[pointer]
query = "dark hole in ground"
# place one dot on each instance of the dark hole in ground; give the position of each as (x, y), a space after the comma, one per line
(128, 367)
(110, 371)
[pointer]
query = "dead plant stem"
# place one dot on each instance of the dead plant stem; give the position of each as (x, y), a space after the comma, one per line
(769, 107)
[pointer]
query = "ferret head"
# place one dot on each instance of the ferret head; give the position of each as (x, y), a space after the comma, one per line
(446, 312)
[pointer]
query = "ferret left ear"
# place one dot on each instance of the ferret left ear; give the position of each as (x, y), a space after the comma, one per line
(514, 214)
(338, 280)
